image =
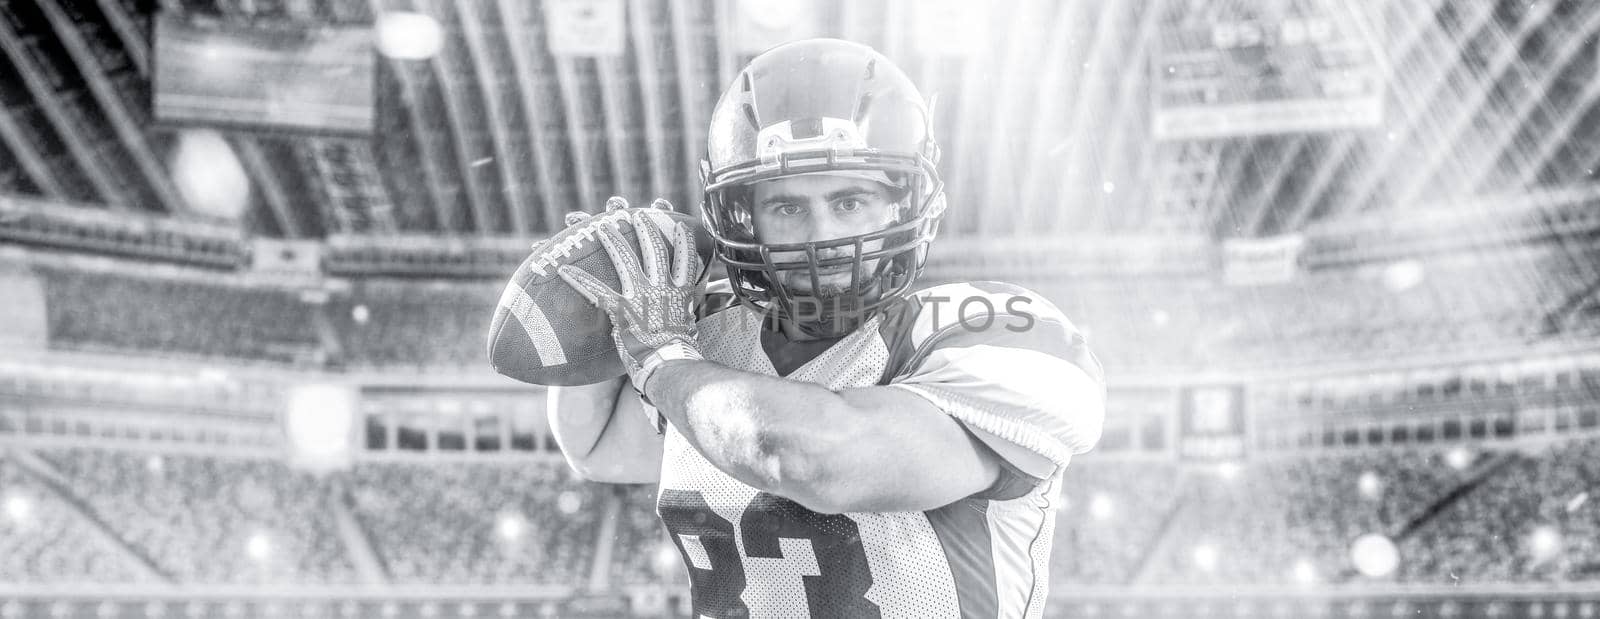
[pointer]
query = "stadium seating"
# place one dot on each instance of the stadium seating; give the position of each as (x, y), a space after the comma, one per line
(1432, 306)
(405, 324)
(643, 554)
(211, 520)
(447, 523)
(102, 311)
(1259, 523)
(1530, 520)
(43, 540)
(1495, 517)
(1110, 515)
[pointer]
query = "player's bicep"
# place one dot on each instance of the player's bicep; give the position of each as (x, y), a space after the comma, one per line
(603, 433)
(629, 450)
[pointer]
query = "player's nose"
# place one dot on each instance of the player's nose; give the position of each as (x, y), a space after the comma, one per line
(826, 227)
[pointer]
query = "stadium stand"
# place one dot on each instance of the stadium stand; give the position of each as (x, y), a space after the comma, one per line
(211, 520)
(478, 523)
(44, 540)
(643, 554)
(1530, 521)
(1258, 522)
(1505, 516)
(1503, 298)
(1110, 514)
(100, 311)
(406, 324)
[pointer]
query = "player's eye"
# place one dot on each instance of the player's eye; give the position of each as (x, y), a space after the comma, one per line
(851, 205)
(788, 209)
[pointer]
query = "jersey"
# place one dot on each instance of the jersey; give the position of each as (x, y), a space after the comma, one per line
(998, 358)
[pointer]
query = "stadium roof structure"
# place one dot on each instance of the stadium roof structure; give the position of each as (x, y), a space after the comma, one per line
(1046, 122)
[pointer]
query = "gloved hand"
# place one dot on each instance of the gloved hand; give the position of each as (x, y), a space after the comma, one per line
(652, 316)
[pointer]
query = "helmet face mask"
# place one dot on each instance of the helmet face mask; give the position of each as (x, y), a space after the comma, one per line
(828, 106)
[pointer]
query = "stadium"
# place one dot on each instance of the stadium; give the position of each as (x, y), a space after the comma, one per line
(1338, 258)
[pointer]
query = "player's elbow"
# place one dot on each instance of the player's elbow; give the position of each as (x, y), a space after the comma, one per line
(586, 470)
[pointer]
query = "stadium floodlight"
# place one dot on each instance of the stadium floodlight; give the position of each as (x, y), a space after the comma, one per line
(569, 502)
(1544, 543)
(1304, 572)
(209, 176)
(360, 314)
(1101, 507)
(155, 464)
(1458, 458)
(511, 525)
(259, 546)
(19, 507)
(666, 562)
(404, 35)
(1403, 275)
(212, 375)
(1374, 555)
(773, 14)
(1370, 485)
(1228, 471)
(1205, 557)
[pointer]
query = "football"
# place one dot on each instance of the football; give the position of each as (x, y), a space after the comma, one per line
(545, 332)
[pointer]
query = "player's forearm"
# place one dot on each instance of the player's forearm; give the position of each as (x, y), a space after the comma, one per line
(763, 430)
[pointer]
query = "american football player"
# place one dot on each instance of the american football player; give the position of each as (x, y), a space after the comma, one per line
(830, 440)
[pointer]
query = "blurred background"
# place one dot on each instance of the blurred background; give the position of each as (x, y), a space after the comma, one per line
(1338, 258)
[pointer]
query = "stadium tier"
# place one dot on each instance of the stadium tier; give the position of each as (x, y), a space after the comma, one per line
(47, 541)
(1426, 307)
(84, 516)
(477, 524)
(210, 520)
(102, 311)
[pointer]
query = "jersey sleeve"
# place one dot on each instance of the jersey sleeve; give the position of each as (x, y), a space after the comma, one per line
(1008, 365)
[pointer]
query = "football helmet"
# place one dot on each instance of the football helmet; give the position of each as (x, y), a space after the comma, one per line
(822, 106)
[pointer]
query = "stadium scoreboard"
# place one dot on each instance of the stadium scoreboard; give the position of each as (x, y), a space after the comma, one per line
(1227, 68)
(260, 76)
